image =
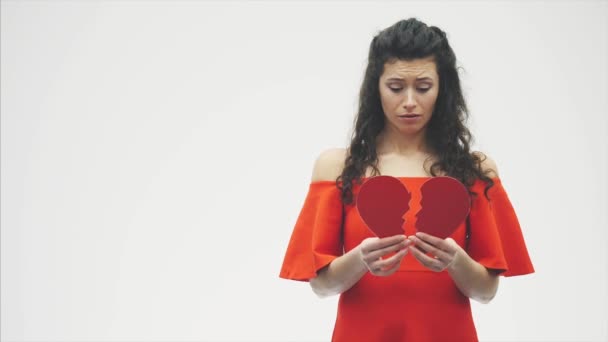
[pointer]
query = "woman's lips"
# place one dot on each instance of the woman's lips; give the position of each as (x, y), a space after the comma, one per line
(409, 118)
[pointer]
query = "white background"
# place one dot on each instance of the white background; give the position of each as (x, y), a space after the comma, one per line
(155, 157)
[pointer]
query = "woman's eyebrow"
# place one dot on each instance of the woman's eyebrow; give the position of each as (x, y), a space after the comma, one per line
(417, 78)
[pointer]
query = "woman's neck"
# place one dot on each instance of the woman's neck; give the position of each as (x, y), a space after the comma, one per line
(402, 145)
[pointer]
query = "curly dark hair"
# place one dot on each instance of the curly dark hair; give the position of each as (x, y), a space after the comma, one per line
(446, 133)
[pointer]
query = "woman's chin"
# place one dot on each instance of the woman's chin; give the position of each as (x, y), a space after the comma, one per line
(410, 130)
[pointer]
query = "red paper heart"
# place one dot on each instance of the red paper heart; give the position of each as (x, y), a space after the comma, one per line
(445, 204)
(382, 202)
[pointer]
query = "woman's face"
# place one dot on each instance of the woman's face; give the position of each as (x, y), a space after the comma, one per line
(409, 87)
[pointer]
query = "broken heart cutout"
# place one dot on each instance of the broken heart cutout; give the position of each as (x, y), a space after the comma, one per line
(383, 201)
(445, 205)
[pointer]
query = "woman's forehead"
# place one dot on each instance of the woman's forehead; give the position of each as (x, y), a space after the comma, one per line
(410, 69)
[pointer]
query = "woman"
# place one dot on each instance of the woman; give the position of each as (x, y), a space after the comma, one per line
(410, 125)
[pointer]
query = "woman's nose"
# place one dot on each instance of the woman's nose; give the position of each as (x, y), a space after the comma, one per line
(410, 102)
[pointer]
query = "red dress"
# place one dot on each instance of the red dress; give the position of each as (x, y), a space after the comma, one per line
(414, 303)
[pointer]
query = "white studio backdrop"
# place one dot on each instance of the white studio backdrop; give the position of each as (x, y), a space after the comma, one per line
(155, 156)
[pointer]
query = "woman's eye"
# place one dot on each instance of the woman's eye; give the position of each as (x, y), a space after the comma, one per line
(396, 90)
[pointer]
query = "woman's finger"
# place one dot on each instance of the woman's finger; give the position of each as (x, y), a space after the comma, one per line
(426, 247)
(378, 243)
(375, 255)
(431, 263)
(441, 244)
(387, 263)
(386, 271)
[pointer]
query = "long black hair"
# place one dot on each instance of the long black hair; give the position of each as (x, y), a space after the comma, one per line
(447, 133)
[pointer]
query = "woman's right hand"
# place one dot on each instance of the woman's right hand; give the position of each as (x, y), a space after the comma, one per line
(372, 249)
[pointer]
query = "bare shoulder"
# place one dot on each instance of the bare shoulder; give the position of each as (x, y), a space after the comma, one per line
(488, 165)
(329, 164)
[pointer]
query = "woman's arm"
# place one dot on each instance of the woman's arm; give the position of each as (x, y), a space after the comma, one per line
(472, 278)
(340, 275)
(346, 270)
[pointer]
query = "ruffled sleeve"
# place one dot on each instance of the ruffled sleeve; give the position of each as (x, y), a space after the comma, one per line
(316, 238)
(496, 239)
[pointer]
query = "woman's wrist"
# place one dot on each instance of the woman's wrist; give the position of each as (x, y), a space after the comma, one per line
(460, 261)
(472, 278)
(342, 273)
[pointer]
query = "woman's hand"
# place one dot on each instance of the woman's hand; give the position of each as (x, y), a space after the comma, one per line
(445, 251)
(371, 251)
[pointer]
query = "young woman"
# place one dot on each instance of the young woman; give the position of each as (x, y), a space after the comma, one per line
(410, 125)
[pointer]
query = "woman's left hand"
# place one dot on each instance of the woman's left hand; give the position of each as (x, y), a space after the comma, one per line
(445, 251)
